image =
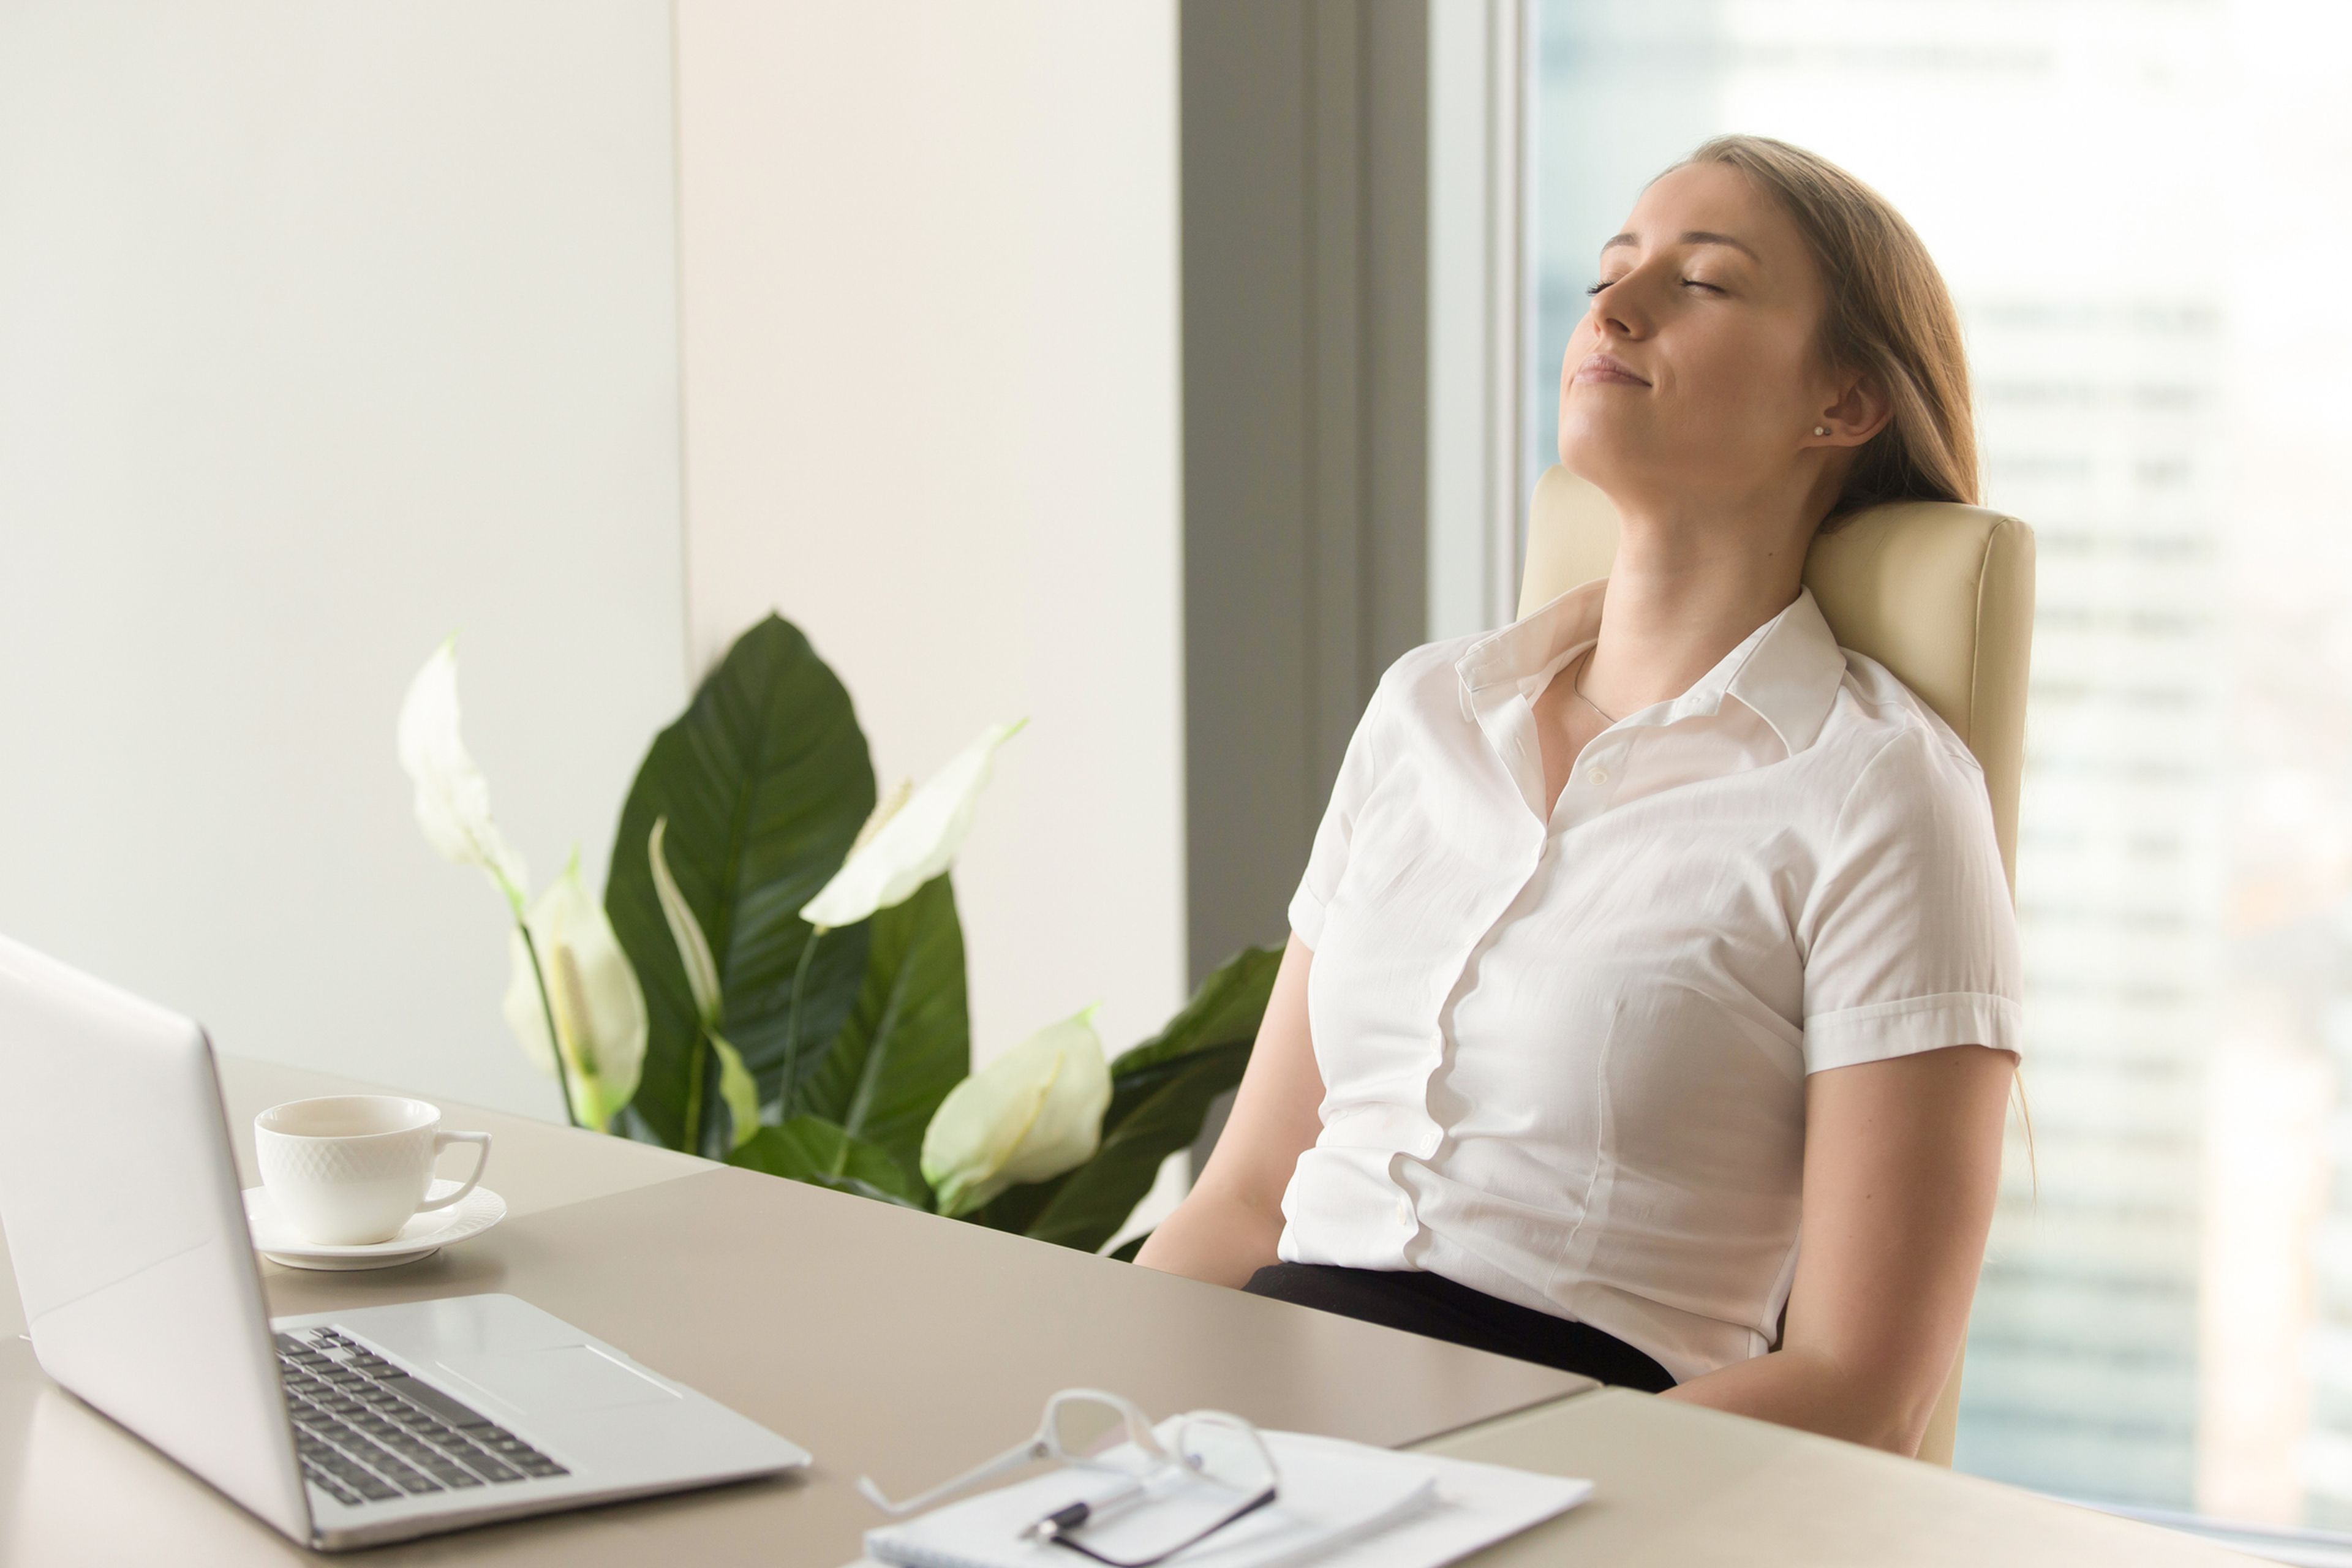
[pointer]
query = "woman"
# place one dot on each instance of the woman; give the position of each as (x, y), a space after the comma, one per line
(1654, 928)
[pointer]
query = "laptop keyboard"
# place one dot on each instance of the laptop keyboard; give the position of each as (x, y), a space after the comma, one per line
(368, 1432)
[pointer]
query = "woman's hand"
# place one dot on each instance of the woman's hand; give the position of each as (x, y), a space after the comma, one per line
(1226, 1227)
(1902, 1163)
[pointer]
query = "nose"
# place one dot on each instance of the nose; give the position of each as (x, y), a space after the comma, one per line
(1616, 311)
(1623, 308)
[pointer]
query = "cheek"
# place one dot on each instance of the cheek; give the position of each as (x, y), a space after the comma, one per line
(1579, 343)
(1740, 377)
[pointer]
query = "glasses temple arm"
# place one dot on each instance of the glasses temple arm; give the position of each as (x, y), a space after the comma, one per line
(1010, 1459)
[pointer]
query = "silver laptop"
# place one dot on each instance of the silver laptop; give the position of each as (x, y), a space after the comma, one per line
(340, 1429)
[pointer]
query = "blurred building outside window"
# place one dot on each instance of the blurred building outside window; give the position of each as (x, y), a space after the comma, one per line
(2139, 207)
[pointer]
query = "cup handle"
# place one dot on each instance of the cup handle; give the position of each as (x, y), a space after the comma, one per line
(441, 1141)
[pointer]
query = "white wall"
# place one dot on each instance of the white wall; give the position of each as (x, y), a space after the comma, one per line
(325, 330)
(931, 367)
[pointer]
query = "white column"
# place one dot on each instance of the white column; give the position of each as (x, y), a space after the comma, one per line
(1476, 321)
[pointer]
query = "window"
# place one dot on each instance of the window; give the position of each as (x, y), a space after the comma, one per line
(2137, 205)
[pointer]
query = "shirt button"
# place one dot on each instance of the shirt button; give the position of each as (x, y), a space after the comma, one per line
(1597, 774)
(1404, 1212)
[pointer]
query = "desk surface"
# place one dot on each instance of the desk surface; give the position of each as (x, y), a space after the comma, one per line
(1675, 1486)
(908, 1345)
(880, 1339)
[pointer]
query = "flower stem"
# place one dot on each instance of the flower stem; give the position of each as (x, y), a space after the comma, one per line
(547, 1007)
(792, 1026)
(692, 1139)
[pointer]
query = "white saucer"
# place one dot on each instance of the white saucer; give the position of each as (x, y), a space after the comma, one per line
(421, 1237)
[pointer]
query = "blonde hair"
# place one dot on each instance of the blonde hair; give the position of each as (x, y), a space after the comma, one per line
(1889, 314)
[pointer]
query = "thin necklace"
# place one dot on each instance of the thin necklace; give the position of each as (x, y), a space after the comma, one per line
(1577, 686)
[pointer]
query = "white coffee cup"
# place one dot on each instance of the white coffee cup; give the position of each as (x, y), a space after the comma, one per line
(351, 1169)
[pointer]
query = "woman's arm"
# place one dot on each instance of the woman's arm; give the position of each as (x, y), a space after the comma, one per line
(1902, 1163)
(1226, 1227)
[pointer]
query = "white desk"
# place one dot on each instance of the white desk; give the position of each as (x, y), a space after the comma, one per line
(908, 1345)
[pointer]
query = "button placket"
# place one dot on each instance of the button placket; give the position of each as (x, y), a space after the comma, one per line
(1602, 771)
(1414, 1130)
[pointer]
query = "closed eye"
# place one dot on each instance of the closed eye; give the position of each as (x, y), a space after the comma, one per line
(1590, 288)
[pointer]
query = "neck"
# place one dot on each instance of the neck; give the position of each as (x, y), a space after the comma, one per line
(1683, 592)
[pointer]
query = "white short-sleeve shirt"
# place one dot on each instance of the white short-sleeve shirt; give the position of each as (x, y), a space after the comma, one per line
(1564, 1061)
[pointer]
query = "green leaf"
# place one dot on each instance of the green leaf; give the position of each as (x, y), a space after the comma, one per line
(736, 1089)
(908, 1040)
(1161, 1093)
(810, 1148)
(765, 780)
(1228, 1007)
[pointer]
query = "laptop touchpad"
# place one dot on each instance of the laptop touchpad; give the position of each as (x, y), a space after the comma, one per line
(556, 1381)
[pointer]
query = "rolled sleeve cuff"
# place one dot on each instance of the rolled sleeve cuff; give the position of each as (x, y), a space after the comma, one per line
(1852, 1036)
(1306, 916)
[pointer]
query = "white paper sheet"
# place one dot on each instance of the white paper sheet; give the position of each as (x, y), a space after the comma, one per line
(1328, 1478)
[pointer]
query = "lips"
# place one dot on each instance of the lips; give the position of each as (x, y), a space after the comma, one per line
(1608, 368)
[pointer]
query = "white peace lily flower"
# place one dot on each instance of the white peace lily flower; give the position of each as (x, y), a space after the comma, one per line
(453, 801)
(736, 1085)
(902, 846)
(884, 810)
(693, 947)
(1028, 1116)
(599, 1013)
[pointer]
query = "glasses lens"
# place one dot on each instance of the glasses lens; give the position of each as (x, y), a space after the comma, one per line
(1227, 1451)
(1083, 1427)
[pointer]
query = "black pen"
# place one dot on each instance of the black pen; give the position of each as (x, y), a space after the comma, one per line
(1063, 1520)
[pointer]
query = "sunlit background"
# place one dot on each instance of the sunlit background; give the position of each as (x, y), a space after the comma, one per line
(2140, 209)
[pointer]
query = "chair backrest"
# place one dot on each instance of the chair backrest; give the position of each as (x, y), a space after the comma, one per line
(1940, 594)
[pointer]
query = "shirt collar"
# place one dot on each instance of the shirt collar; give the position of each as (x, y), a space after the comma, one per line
(1787, 670)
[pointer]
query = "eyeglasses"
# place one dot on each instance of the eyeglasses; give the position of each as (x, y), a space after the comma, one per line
(1079, 1424)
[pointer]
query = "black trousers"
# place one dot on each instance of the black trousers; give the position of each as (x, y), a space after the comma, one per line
(1424, 1303)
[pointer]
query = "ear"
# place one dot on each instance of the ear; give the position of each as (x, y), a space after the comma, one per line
(1861, 411)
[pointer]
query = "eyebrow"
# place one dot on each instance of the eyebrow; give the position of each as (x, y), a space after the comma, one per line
(1692, 236)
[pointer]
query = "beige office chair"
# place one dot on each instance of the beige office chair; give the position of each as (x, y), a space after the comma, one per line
(1940, 594)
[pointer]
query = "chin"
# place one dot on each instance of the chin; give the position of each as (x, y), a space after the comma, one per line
(1597, 455)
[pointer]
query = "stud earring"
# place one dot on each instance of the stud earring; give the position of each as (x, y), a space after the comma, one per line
(1821, 429)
